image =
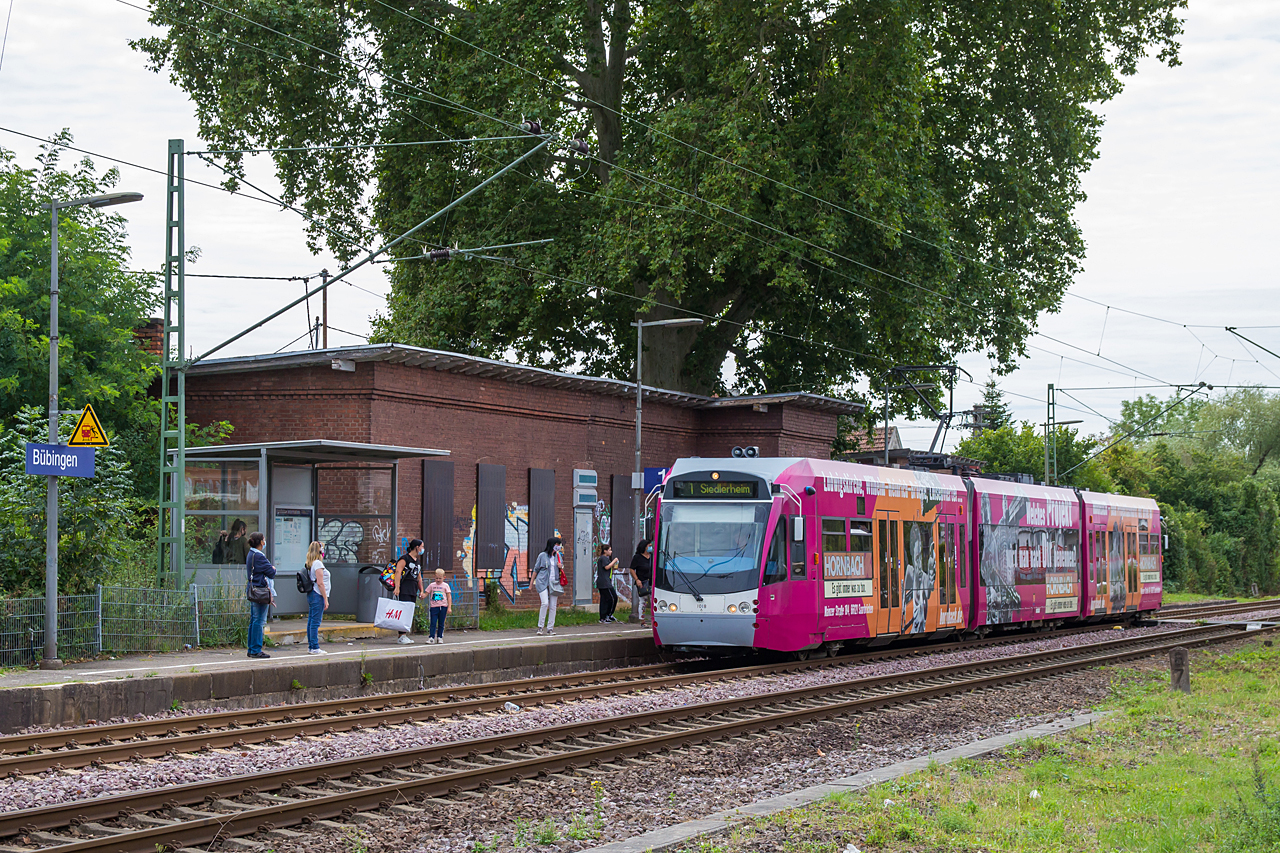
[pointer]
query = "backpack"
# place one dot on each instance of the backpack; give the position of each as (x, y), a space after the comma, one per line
(305, 583)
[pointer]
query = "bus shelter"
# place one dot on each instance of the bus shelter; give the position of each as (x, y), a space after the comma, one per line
(340, 493)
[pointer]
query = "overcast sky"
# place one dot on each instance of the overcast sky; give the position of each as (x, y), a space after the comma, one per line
(1181, 220)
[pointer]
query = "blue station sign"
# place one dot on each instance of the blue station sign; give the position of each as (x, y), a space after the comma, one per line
(59, 461)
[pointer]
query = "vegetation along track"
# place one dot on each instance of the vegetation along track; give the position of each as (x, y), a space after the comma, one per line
(164, 819)
(63, 749)
(1225, 609)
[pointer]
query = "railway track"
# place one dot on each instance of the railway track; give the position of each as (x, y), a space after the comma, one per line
(65, 749)
(210, 812)
(1224, 609)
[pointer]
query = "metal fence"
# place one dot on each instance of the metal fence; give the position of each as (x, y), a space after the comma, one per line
(119, 620)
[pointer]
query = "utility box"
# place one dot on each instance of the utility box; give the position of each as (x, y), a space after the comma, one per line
(585, 485)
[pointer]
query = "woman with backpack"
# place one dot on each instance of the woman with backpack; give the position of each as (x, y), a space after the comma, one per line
(317, 595)
(407, 580)
(547, 580)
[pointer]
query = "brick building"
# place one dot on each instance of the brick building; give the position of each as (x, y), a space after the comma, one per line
(515, 435)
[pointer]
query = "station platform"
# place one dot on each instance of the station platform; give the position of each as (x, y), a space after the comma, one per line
(157, 683)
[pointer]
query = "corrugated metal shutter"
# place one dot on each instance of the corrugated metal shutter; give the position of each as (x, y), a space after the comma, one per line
(542, 510)
(437, 514)
(622, 528)
(491, 518)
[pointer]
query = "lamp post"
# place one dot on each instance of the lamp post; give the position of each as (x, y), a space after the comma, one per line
(50, 660)
(637, 478)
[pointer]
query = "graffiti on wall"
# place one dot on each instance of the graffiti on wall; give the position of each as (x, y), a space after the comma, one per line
(342, 539)
(513, 576)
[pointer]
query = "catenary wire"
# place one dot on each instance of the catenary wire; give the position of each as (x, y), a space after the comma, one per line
(460, 141)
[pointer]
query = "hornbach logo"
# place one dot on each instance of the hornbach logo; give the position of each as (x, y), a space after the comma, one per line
(715, 489)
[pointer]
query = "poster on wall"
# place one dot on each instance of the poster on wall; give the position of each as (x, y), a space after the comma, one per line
(291, 534)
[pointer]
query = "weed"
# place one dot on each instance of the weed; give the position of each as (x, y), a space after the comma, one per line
(195, 669)
(580, 829)
(1250, 827)
(356, 840)
(521, 837)
(366, 678)
(597, 806)
(175, 705)
(483, 847)
(151, 674)
(296, 685)
(546, 832)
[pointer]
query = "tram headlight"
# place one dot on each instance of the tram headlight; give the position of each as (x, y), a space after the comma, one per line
(662, 605)
(744, 607)
(733, 608)
(672, 607)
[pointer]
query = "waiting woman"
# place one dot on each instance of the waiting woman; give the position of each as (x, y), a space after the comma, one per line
(318, 598)
(259, 570)
(546, 580)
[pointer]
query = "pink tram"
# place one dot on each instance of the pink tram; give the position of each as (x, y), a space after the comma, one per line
(805, 555)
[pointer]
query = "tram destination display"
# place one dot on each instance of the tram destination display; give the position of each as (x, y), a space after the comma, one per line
(730, 489)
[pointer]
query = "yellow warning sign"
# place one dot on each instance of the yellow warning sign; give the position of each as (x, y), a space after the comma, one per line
(88, 432)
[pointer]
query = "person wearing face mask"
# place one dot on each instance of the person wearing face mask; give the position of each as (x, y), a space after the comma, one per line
(408, 584)
(546, 580)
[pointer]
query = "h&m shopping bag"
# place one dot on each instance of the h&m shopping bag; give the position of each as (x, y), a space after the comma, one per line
(395, 615)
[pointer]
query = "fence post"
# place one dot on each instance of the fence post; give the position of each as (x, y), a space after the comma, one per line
(99, 649)
(195, 611)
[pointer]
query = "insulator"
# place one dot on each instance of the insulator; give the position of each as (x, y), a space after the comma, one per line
(533, 126)
(440, 254)
(580, 146)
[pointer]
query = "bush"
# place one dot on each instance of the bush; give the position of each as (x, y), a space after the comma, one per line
(493, 599)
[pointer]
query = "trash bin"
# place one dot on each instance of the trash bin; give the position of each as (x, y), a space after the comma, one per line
(369, 589)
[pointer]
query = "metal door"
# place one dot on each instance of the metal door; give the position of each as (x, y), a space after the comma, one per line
(583, 580)
(889, 573)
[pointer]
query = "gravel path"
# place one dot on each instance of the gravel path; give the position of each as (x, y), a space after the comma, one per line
(64, 786)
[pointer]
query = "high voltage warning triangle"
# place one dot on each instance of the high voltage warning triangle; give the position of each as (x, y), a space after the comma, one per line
(88, 432)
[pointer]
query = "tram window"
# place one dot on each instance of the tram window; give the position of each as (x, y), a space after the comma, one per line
(775, 567)
(962, 556)
(886, 561)
(946, 569)
(798, 550)
(862, 506)
(895, 534)
(859, 535)
(833, 537)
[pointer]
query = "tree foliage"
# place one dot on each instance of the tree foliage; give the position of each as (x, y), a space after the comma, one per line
(96, 517)
(101, 303)
(745, 156)
(1014, 450)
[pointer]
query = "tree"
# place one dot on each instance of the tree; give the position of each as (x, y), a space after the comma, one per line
(96, 517)
(996, 413)
(1009, 450)
(101, 304)
(963, 127)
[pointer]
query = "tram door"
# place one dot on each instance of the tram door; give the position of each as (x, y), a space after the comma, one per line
(888, 573)
(1131, 573)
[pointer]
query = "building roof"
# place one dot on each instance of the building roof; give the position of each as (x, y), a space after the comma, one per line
(452, 362)
(874, 441)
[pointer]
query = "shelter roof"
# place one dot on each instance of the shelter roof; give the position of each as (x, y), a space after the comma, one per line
(470, 365)
(319, 450)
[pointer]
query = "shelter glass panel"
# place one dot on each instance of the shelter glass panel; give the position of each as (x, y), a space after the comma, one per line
(222, 486)
(354, 514)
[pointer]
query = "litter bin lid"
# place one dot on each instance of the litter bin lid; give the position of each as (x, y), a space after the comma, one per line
(364, 569)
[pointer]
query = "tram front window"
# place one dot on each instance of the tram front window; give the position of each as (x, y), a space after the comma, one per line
(710, 549)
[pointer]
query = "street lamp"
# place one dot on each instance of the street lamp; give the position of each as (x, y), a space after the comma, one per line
(637, 478)
(50, 660)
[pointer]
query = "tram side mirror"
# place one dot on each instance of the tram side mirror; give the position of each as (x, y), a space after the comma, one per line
(1166, 541)
(797, 530)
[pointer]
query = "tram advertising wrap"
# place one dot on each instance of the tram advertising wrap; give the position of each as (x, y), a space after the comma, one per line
(798, 555)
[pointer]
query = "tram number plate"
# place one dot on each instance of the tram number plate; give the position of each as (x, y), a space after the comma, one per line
(701, 605)
(847, 589)
(1149, 577)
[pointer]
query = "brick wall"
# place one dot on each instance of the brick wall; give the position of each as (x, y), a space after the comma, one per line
(490, 421)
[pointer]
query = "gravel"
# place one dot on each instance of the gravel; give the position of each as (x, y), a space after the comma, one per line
(63, 786)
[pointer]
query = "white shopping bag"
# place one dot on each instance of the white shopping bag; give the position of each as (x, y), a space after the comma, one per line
(394, 615)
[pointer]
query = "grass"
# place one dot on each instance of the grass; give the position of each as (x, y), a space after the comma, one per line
(515, 619)
(1167, 773)
(1192, 597)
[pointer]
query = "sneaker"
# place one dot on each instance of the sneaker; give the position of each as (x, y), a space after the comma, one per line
(603, 621)
(317, 652)
(405, 640)
(439, 639)
(540, 632)
(611, 619)
(432, 640)
(550, 632)
(260, 655)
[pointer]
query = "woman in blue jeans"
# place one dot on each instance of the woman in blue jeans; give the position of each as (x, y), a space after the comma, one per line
(318, 598)
(259, 569)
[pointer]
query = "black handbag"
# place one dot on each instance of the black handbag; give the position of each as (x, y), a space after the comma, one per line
(256, 594)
